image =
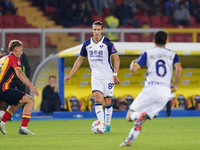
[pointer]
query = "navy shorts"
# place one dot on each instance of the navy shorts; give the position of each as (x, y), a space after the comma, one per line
(12, 96)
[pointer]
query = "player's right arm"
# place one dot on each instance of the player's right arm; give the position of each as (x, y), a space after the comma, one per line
(177, 76)
(25, 80)
(77, 64)
(133, 67)
(138, 63)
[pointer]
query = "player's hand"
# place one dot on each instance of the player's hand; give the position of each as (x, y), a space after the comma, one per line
(116, 80)
(67, 78)
(173, 88)
(134, 61)
(34, 90)
(55, 89)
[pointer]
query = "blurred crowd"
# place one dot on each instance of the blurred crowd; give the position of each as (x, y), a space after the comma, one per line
(7, 7)
(80, 12)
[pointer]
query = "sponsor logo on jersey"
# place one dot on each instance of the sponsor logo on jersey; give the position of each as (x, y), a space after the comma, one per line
(19, 63)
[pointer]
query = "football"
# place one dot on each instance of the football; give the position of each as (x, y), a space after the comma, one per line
(98, 127)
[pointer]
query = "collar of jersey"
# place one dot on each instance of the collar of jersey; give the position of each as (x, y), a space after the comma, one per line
(98, 41)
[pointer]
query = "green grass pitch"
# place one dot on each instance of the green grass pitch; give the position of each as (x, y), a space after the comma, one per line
(157, 134)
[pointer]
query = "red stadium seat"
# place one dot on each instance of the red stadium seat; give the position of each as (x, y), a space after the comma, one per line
(20, 22)
(30, 26)
(171, 37)
(151, 36)
(49, 43)
(98, 18)
(106, 12)
(34, 35)
(9, 37)
(130, 37)
(167, 21)
(198, 37)
(50, 11)
(34, 41)
(88, 36)
(84, 26)
(193, 22)
(144, 38)
(1, 21)
(24, 40)
(121, 26)
(179, 38)
(155, 22)
(188, 37)
(168, 25)
(118, 2)
(9, 21)
(24, 35)
(143, 19)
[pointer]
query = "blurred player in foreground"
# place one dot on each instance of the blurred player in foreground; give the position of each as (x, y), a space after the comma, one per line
(9, 65)
(160, 64)
(99, 51)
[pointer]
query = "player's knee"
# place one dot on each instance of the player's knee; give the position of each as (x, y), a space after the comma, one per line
(28, 99)
(32, 101)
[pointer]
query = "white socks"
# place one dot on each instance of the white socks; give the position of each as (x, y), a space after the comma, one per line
(132, 135)
(135, 116)
(99, 112)
(108, 114)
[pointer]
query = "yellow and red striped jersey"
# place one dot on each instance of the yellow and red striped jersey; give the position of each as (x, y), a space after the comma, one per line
(8, 64)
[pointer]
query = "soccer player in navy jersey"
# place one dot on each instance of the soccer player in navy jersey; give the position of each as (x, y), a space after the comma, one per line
(99, 51)
(160, 63)
(9, 65)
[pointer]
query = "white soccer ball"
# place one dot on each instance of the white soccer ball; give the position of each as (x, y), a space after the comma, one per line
(98, 127)
(1, 113)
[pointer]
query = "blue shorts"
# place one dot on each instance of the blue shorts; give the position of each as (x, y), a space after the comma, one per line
(12, 96)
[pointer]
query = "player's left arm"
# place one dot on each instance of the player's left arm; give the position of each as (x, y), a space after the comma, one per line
(177, 76)
(178, 72)
(116, 59)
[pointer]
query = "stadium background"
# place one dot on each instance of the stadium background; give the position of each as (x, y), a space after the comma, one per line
(42, 36)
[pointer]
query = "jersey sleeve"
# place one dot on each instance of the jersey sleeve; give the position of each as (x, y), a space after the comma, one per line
(142, 60)
(83, 52)
(176, 60)
(16, 63)
(111, 49)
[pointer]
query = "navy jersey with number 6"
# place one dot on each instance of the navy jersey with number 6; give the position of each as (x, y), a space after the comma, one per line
(160, 65)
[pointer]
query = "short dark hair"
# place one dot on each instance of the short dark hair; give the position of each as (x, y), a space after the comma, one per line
(52, 76)
(98, 23)
(160, 37)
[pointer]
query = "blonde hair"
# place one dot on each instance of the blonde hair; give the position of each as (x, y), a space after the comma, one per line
(13, 44)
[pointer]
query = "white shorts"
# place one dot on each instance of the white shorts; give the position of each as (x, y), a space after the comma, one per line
(106, 87)
(151, 100)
